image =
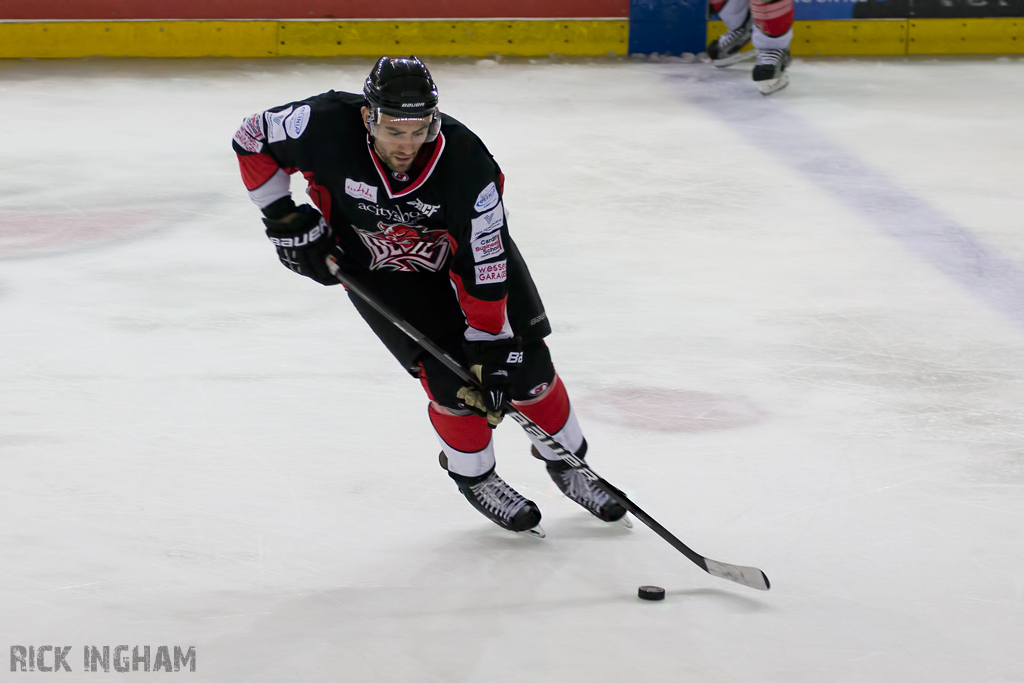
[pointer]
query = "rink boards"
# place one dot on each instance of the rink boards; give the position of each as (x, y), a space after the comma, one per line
(313, 38)
(524, 38)
(995, 35)
(521, 28)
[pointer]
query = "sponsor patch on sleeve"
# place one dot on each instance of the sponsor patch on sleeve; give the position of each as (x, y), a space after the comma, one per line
(354, 188)
(249, 135)
(487, 223)
(275, 124)
(295, 124)
(491, 272)
(487, 198)
(487, 247)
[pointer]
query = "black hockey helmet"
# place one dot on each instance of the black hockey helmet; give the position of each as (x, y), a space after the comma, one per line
(402, 87)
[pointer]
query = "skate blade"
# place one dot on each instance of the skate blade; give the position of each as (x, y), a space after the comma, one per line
(733, 59)
(536, 532)
(773, 84)
(624, 521)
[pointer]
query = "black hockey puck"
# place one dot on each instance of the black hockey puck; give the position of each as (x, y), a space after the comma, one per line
(651, 593)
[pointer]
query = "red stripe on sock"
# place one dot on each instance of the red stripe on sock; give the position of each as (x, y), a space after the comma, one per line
(466, 433)
(550, 410)
(773, 18)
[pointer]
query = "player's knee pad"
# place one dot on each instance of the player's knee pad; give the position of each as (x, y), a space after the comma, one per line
(773, 17)
(535, 374)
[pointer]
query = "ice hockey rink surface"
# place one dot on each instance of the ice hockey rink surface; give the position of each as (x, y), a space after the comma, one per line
(793, 329)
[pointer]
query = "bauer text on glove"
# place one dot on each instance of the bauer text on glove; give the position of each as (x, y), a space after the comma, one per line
(304, 240)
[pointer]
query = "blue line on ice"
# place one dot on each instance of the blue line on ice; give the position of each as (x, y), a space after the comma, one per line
(941, 241)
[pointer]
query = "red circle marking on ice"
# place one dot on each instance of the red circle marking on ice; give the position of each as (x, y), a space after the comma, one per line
(671, 410)
(28, 233)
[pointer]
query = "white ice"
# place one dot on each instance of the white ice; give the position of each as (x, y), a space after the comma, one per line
(198, 447)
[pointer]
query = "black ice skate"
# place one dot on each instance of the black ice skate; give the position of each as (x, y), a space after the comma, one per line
(581, 490)
(725, 49)
(500, 503)
(770, 70)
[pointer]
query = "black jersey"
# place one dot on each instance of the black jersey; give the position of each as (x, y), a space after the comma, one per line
(444, 218)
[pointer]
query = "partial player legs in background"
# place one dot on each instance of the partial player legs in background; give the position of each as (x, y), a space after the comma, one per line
(553, 413)
(766, 23)
(726, 49)
(773, 33)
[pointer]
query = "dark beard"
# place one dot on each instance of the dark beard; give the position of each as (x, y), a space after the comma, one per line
(387, 159)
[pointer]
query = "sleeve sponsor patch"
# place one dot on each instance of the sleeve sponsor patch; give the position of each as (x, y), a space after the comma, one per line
(487, 198)
(249, 135)
(487, 247)
(487, 223)
(491, 272)
(295, 124)
(275, 124)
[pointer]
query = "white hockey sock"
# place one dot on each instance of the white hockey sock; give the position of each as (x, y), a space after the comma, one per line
(466, 441)
(570, 436)
(468, 464)
(766, 42)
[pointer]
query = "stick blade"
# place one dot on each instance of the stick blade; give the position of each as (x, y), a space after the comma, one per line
(752, 577)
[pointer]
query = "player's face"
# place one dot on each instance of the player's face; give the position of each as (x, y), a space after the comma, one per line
(398, 141)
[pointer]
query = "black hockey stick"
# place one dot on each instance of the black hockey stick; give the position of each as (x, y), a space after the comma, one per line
(747, 576)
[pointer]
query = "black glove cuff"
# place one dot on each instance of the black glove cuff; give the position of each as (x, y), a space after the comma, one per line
(497, 352)
(280, 208)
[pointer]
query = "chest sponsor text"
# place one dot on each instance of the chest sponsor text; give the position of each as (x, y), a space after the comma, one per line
(360, 190)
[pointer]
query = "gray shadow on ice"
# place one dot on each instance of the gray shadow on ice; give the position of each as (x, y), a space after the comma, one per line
(746, 604)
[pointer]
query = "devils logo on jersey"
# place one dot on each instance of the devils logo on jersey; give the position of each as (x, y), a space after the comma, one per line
(406, 248)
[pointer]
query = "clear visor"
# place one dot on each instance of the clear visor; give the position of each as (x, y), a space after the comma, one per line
(392, 129)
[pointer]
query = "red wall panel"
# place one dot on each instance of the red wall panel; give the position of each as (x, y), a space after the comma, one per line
(309, 9)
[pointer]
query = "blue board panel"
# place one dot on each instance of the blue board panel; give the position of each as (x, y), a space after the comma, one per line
(823, 9)
(809, 10)
(667, 26)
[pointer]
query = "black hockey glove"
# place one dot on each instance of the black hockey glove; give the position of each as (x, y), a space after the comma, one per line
(495, 364)
(304, 241)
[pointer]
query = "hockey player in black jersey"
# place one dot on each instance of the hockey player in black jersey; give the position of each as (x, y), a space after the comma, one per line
(409, 202)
